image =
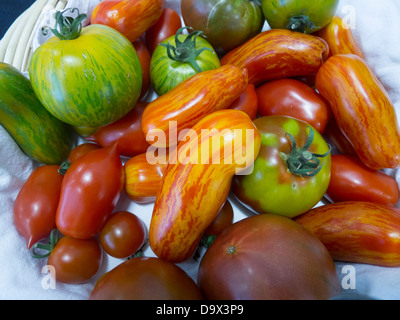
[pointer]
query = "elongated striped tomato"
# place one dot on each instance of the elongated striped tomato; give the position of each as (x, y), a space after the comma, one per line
(190, 101)
(362, 109)
(357, 231)
(143, 179)
(130, 17)
(339, 37)
(279, 53)
(89, 81)
(197, 181)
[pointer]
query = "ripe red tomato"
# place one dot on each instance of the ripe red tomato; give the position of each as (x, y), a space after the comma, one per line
(36, 204)
(80, 150)
(293, 98)
(166, 26)
(75, 261)
(267, 257)
(247, 102)
(145, 278)
(223, 220)
(144, 58)
(352, 180)
(90, 190)
(127, 131)
(123, 234)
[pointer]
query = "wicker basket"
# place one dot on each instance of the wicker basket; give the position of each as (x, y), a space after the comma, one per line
(16, 45)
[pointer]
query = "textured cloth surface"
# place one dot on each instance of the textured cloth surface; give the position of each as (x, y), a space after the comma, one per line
(22, 277)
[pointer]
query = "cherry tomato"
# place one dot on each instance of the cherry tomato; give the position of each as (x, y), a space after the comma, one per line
(144, 58)
(127, 131)
(351, 180)
(90, 190)
(123, 234)
(166, 26)
(80, 150)
(267, 257)
(146, 278)
(247, 102)
(75, 261)
(36, 204)
(295, 99)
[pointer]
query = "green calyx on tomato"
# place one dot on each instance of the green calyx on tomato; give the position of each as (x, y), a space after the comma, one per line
(301, 161)
(300, 24)
(67, 28)
(185, 51)
(47, 247)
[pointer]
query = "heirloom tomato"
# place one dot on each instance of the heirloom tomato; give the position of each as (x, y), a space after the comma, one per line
(247, 102)
(123, 234)
(75, 261)
(86, 77)
(146, 278)
(292, 171)
(144, 58)
(298, 15)
(226, 23)
(36, 204)
(179, 57)
(295, 99)
(267, 257)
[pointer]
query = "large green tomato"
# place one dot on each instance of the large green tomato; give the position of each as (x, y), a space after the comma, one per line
(292, 171)
(86, 79)
(226, 23)
(179, 57)
(299, 15)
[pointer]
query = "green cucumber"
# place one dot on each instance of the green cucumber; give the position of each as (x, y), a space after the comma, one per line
(39, 134)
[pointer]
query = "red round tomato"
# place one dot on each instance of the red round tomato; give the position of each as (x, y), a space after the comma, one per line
(75, 261)
(80, 150)
(166, 26)
(146, 278)
(36, 204)
(293, 98)
(144, 58)
(267, 257)
(351, 180)
(90, 190)
(127, 131)
(123, 234)
(247, 102)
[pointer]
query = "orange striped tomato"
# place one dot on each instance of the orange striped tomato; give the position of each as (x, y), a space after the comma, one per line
(339, 37)
(362, 109)
(190, 101)
(143, 179)
(130, 17)
(356, 231)
(279, 53)
(197, 181)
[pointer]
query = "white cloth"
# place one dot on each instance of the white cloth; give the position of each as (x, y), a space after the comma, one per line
(376, 28)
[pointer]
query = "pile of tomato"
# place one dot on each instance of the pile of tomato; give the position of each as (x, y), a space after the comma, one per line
(301, 88)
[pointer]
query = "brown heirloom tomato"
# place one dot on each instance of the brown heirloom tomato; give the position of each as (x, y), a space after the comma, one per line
(146, 278)
(295, 99)
(267, 257)
(36, 204)
(351, 179)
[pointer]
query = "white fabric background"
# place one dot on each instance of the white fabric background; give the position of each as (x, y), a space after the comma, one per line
(376, 29)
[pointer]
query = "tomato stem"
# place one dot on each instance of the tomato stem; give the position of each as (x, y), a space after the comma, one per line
(64, 167)
(303, 162)
(67, 28)
(300, 23)
(47, 247)
(185, 51)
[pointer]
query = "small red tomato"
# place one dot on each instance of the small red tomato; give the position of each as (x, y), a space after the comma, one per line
(144, 278)
(336, 136)
(123, 234)
(144, 58)
(222, 221)
(352, 180)
(293, 98)
(80, 150)
(75, 261)
(36, 204)
(127, 131)
(166, 26)
(247, 102)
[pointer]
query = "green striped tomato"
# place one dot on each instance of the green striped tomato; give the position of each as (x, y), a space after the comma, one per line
(89, 81)
(166, 73)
